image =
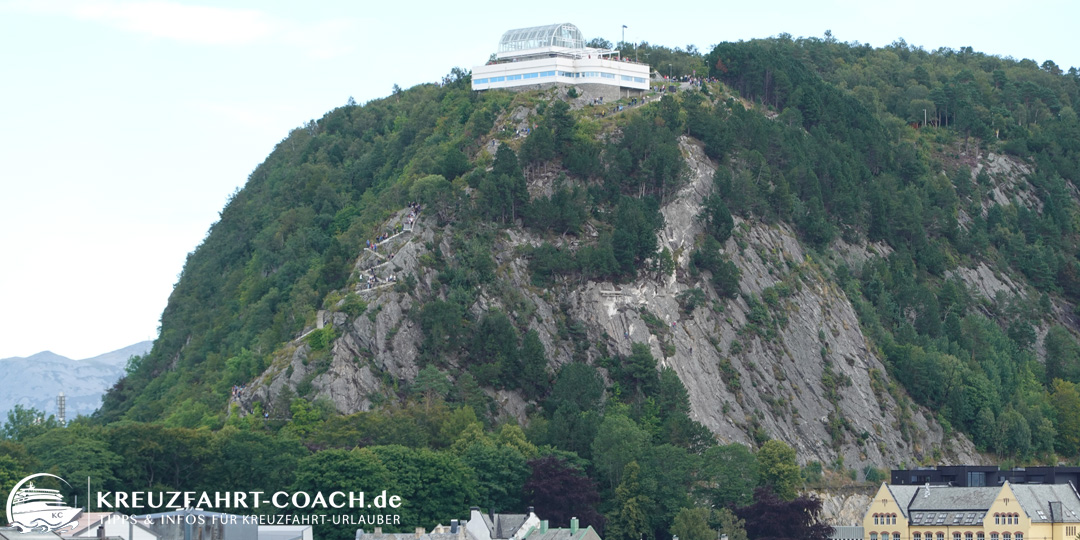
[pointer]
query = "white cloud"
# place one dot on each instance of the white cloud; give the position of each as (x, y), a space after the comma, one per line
(170, 20)
(203, 25)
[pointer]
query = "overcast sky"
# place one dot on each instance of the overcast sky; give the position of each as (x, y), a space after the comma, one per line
(124, 126)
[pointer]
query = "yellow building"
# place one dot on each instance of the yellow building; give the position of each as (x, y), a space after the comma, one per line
(1007, 512)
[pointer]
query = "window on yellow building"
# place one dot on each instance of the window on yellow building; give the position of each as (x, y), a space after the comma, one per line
(997, 519)
(993, 536)
(955, 536)
(873, 536)
(1006, 536)
(980, 536)
(916, 536)
(895, 536)
(940, 536)
(967, 536)
(1018, 536)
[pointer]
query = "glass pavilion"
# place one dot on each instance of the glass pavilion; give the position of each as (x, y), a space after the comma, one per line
(556, 54)
(551, 35)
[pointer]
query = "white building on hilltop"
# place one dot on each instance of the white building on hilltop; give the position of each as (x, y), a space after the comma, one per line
(556, 53)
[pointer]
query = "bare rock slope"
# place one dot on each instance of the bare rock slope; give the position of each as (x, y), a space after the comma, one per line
(785, 360)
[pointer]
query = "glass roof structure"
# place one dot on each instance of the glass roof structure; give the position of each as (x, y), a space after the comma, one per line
(552, 35)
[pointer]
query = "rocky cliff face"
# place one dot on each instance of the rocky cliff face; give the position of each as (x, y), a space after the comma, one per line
(785, 360)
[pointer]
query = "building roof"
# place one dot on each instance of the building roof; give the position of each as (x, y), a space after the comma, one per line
(90, 519)
(953, 498)
(505, 525)
(551, 35)
(950, 505)
(283, 532)
(559, 534)
(1036, 501)
(903, 495)
(11, 533)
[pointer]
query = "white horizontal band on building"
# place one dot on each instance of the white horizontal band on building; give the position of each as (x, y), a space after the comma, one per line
(556, 54)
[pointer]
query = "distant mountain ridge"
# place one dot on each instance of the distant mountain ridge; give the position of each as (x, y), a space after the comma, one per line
(36, 380)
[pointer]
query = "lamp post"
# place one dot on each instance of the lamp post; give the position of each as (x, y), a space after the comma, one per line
(669, 71)
(621, 43)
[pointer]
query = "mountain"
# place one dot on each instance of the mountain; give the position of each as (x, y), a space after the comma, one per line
(36, 380)
(786, 251)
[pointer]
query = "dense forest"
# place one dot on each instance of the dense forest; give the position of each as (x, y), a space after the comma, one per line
(841, 141)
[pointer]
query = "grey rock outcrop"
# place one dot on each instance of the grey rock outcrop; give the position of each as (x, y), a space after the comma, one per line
(787, 359)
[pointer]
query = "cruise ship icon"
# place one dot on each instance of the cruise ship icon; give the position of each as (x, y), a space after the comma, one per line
(36, 509)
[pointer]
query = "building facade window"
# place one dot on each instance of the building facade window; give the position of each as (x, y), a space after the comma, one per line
(955, 536)
(916, 536)
(876, 518)
(997, 519)
(873, 536)
(967, 536)
(1018, 536)
(980, 535)
(993, 536)
(1070, 530)
(940, 536)
(895, 536)
(1006, 536)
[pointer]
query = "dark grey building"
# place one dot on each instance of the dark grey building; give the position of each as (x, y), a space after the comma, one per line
(984, 475)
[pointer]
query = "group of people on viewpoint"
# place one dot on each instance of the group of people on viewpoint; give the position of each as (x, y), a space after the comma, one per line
(414, 211)
(373, 280)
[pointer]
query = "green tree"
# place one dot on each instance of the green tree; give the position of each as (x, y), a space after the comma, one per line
(730, 474)
(618, 442)
(501, 473)
(442, 323)
(432, 484)
(76, 452)
(433, 192)
(638, 371)
(494, 351)
(12, 469)
(1015, 433)
(578, 384)
(727, 523)
(629, 519)
(693, 524)
(153, 456)
(431, 383)
(251, 460)
(1066, 400)
(512, 436)
(1062, 355)
(717, 218)
(533, 377)
(25, 423)
(778, 469)
(347, 471)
